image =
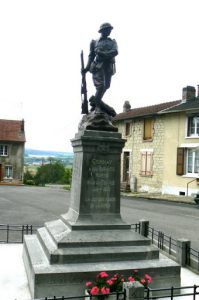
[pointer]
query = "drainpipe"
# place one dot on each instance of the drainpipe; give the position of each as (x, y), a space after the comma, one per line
(189, 183)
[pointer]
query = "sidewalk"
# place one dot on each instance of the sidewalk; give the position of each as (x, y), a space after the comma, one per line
(14, 284)
(165, 197)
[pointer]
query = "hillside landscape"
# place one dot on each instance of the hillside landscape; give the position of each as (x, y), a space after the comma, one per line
(39, 157)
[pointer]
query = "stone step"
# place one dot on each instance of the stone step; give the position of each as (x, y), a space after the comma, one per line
(64, 237)
(71, 278)
(93, 254)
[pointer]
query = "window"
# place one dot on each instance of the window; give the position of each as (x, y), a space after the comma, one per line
(146, 163)
(3, 150)
(127, 129)
(187, 161)
(193, 126)
(192, 161)
(148, 129)
(8, 171)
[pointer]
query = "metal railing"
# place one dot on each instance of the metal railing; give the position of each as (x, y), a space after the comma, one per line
(163, 241)
(15, 233)
(171, 293)
(136, 227)
(117, 296)
(192, 258)
(170, 245)
(149, 294)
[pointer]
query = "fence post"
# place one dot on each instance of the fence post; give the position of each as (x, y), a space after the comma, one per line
(144, 227)
(183, 245)
(134, 290)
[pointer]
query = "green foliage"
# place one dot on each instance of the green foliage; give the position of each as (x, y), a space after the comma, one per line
(67, 176)
(52, 173)
(28, 178)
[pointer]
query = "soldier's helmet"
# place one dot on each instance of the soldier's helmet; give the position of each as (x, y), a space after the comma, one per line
(105, 25)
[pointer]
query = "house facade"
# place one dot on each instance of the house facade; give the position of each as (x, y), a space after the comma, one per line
(161, 154)
(12, 141)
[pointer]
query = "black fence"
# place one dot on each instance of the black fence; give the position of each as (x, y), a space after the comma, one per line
(117, 296)
(15, 233)
(136, 227)
(170, 245)
(171, 293)
(163, 241)
(149, 294)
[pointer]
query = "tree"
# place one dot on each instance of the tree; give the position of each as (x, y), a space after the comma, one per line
(52, 173)
(28, 178)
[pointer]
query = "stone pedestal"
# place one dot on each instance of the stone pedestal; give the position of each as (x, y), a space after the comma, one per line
(92, 237)
(95, 194)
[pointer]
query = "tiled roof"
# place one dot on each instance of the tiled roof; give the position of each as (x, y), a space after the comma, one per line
(145, 111)
(183, 106)
(12, 130)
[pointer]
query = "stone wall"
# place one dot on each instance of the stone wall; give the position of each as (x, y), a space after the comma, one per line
(135, 144)
(15, 158)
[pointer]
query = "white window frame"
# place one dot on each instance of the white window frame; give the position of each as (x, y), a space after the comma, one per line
(8, 171)
(193, 150)
(195, 134)
(3, 150)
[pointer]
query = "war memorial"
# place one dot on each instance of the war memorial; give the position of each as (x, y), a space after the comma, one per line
(92, 237)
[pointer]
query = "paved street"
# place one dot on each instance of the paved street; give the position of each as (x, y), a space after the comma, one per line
(35, 205)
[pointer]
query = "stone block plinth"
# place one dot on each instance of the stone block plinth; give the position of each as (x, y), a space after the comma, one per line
(92, 237)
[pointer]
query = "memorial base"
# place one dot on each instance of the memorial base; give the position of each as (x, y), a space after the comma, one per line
(92, 237)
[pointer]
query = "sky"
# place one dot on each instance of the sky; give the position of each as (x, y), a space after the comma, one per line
(40, 45)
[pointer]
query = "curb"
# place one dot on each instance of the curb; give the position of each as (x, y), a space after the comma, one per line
(175, 199)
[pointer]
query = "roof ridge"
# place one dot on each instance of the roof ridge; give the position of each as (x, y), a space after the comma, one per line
(146, 110)
(161, 103)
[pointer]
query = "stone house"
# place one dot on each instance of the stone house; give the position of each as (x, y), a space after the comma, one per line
(161, 153)
(12, 140)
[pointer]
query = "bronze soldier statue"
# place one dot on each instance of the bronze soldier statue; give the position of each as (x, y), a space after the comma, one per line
(101, 63)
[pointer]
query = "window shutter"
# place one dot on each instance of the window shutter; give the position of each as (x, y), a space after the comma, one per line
(146, 164)
(180, 161)
(143, 163)
(149, 164)
(148, 129)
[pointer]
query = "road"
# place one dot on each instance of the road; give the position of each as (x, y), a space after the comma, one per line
(36, 205)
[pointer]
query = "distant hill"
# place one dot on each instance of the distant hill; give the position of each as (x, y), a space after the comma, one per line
(40, 157)
(46, 153)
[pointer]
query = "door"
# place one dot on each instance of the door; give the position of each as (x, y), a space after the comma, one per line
(0, 172)
(126, 163)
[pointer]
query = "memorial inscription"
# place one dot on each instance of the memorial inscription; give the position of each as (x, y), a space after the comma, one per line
(101, 185)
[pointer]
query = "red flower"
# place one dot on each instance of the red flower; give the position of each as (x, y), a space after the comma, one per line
(88, 283)
(109, 281)
(95, 290)
(148, 278)
(142, 281)
(131, 279)
(103, 275)
(113, 278)
(105, 290)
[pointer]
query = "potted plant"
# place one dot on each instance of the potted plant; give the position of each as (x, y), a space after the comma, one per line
(103, 284)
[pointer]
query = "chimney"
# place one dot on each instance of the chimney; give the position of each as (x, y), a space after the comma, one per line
(22, 125)
(126, 106)
(188, 93)
(198, 91)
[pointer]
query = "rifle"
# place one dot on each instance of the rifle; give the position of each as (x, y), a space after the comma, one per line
(83, 88)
